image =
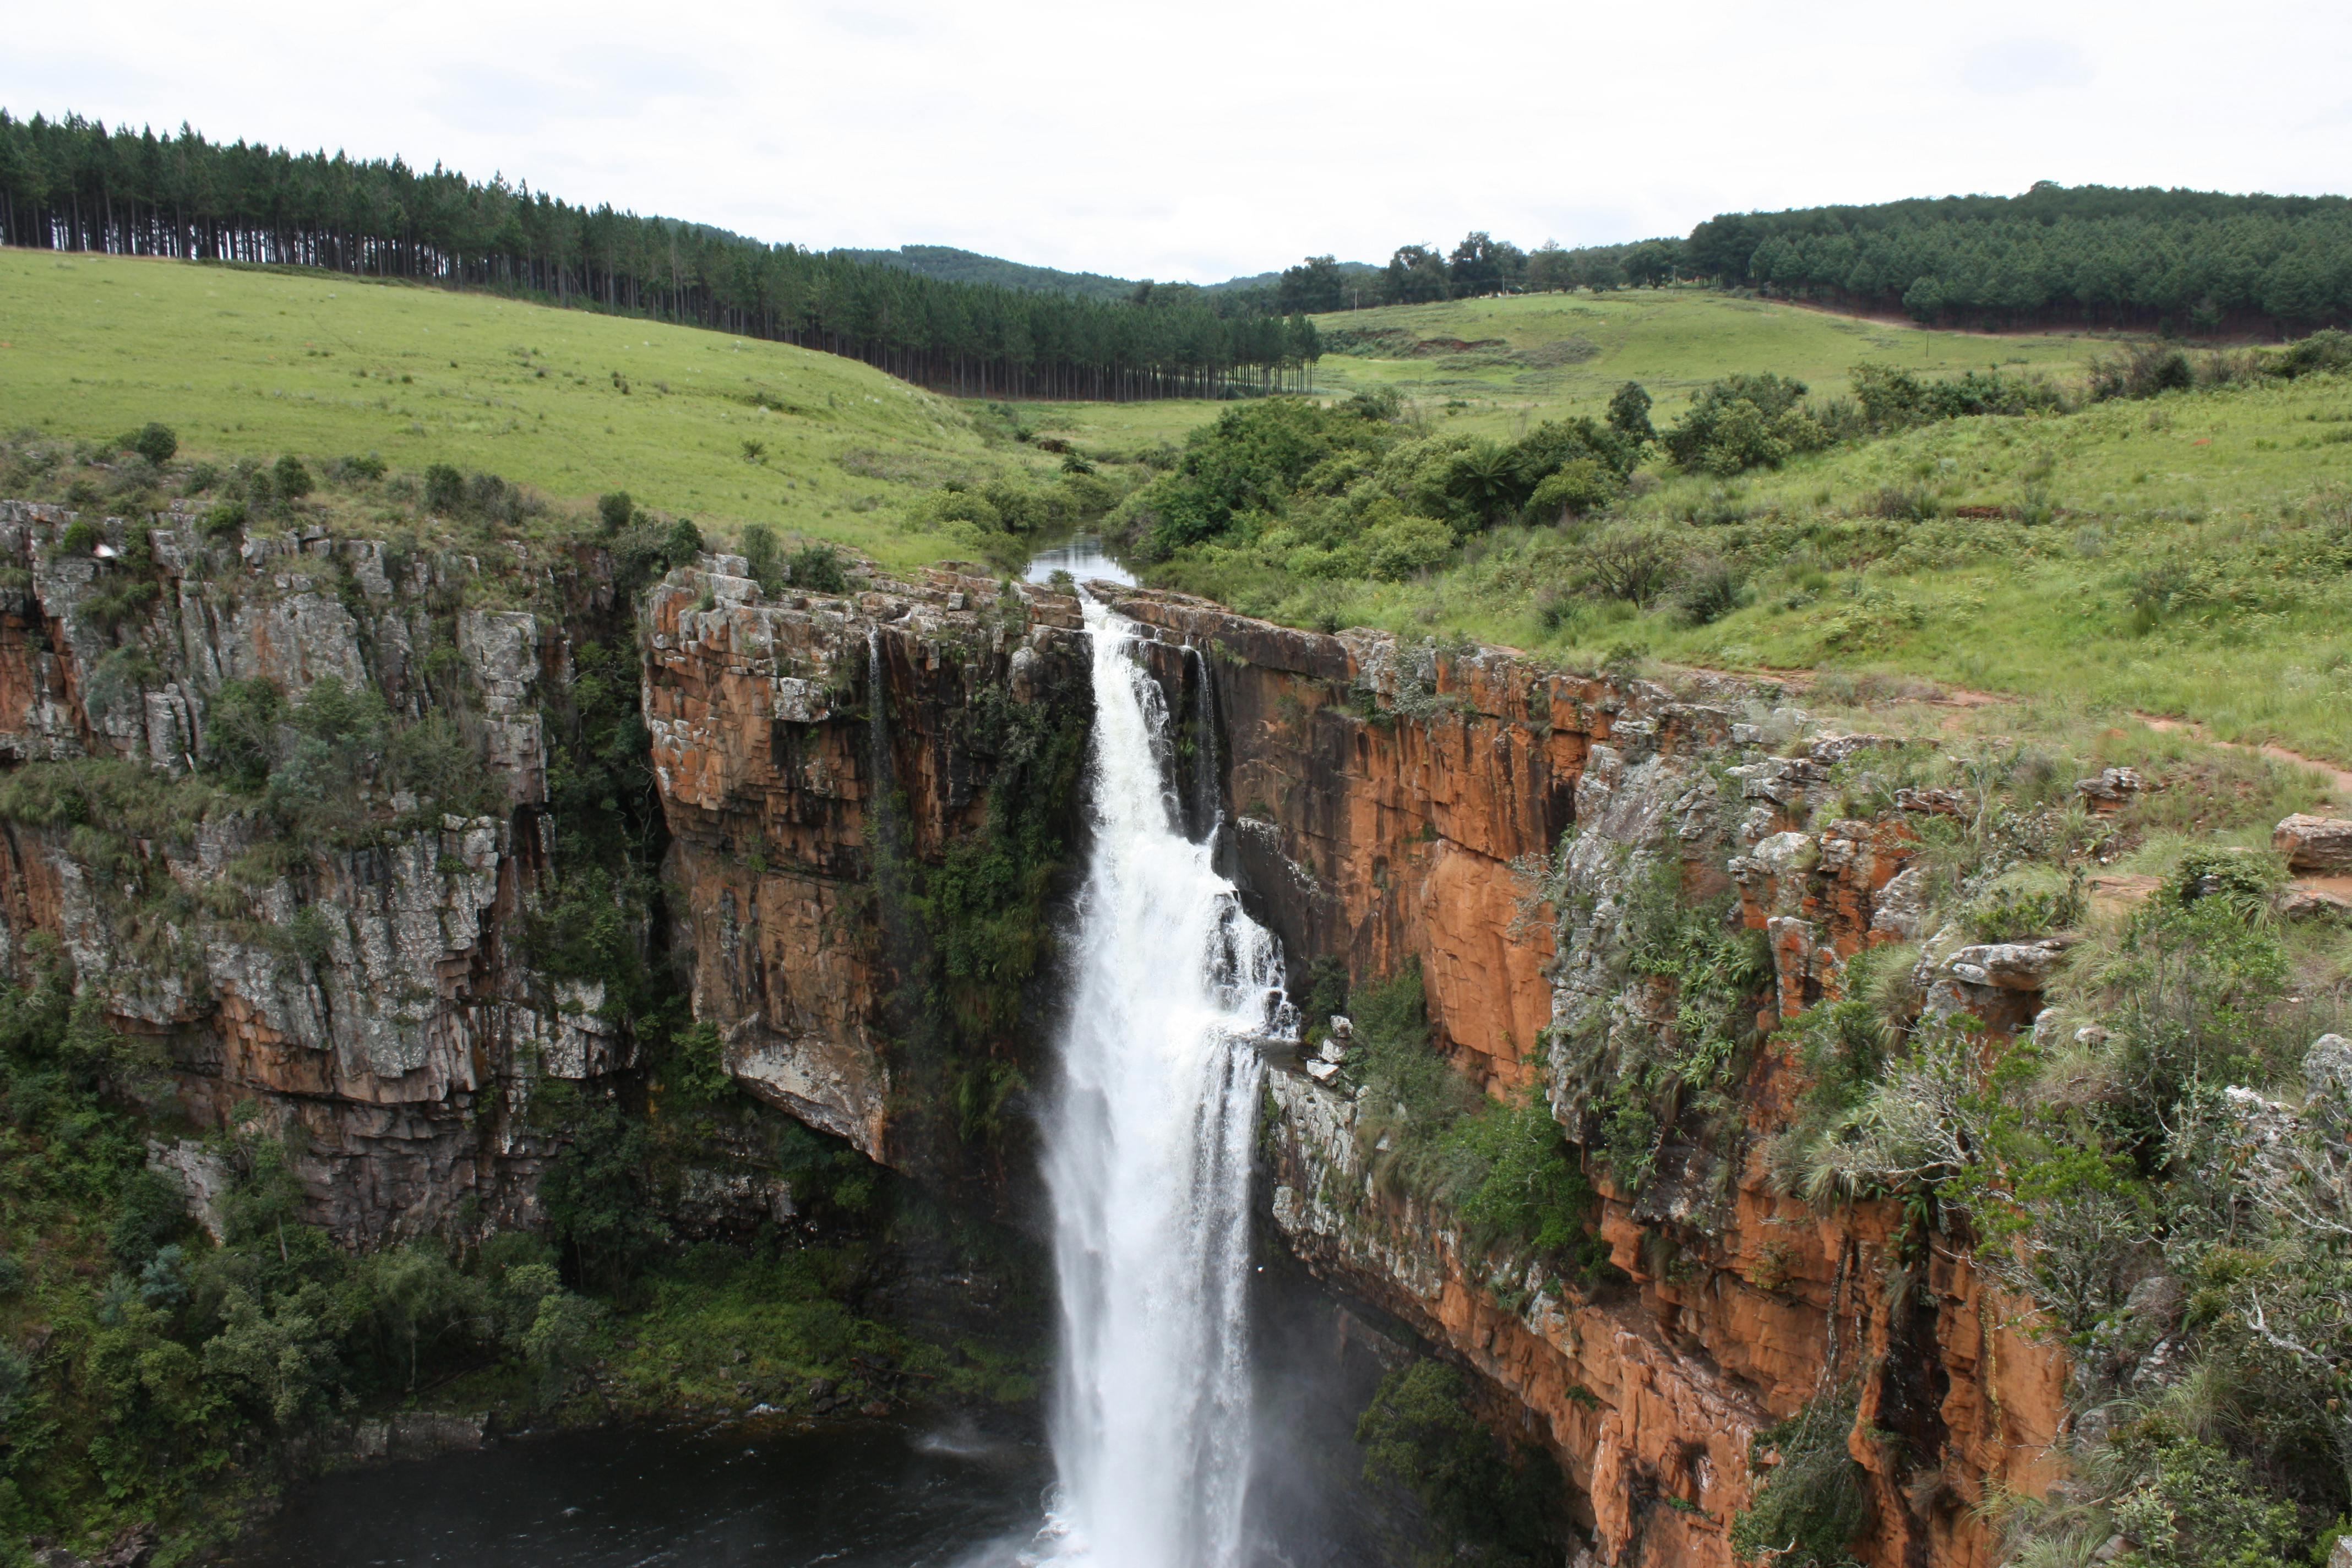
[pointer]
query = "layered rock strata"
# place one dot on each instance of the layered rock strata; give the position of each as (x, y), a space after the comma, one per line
(1397, 803)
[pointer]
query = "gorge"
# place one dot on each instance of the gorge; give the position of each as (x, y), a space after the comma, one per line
(872, 809)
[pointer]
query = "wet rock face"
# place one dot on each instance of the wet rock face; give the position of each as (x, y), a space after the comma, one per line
(1381, 796)
(799, 746)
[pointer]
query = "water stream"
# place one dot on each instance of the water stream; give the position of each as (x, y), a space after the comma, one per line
(1148, 1155)
(1148, 1159)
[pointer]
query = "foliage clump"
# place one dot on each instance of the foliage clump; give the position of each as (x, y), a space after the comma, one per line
(1503, 1172)
(1491, 1502)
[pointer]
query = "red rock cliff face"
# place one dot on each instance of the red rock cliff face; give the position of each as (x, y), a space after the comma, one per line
(799, 745)
(1382, 793)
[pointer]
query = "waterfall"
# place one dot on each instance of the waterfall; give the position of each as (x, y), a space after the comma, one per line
(1208, 801)
(1148, 1159)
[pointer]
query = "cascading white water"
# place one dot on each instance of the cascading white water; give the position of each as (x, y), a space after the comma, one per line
(1148, 1159)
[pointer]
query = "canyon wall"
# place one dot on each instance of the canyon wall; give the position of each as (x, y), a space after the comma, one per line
(865, 804)
(335, 956)
(1383, 794)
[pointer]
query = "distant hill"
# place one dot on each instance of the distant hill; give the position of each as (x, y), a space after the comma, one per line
(1269, 279)
(950, 265)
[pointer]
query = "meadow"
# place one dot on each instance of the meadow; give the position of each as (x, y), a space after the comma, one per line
(1536, 356)
(2187, 555)
(248, 364)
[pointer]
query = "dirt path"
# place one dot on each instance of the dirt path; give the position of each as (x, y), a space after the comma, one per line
(2340, 778)
(1797, 681)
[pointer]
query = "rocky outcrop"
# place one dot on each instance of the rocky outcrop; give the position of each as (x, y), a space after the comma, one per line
(1395, 803)
(813, 755)
(367, 992)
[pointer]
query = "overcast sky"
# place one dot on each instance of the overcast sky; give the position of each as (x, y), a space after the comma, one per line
(1217, 137)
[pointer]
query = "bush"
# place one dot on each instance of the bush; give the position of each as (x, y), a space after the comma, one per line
(1631, 563)
(1712, 590)
(82, 536)
(291, 479)
(818, 569)
(1810, 1505)
(444, 489)
(156, 443)
(615, 509)
(1578, 487)
(223, 519)
(2030, 901)
(1492, 1502)
(763, 557)
(683, 544)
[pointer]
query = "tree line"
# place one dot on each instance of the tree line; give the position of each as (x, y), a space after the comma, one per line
(2181, 261)
(1480, 265)
(74, 184)
(2185, 260)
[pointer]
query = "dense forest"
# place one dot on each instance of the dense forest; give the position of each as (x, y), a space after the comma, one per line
(2189, 260)
(2181, 261)
(953, 265)
(73, 185)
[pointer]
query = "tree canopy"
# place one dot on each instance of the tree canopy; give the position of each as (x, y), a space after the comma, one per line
(73, 185)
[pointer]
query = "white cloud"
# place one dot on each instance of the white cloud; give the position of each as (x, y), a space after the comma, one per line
(2025, 65)
(1225, 136)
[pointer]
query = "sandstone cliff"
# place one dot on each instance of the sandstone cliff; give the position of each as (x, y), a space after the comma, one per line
(1383, 794)
(864, 805)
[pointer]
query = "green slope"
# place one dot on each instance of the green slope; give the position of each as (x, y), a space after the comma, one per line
(251, 364)
(1536, 354)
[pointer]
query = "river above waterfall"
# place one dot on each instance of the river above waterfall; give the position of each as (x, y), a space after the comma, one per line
(1082, 557)
(855, 1496)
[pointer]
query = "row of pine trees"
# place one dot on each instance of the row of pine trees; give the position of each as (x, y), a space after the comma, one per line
(74, 184)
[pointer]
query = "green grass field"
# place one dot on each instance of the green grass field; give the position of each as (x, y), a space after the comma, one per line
(2190, 555)
(1537, 355)
(249, 363)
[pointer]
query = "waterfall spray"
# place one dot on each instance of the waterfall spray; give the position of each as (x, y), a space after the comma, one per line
(1148, 1159)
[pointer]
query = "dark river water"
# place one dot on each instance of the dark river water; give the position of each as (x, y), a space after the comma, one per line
(860, 1496)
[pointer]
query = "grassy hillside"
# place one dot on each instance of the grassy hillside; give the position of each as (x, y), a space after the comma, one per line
(1535, 355)
(2187, 554)
(246, 364)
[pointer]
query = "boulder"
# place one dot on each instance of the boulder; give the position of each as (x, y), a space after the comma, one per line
(2008, 965)
(2114, 789)
(2314, 845)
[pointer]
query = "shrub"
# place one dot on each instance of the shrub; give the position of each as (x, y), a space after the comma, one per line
(445, 489)
(370, 468)
(763, 557)
(818, 568)
(1810, 1505)
(683, 544)
(1712, 590)
(156, 443)
(1396, 549)
(224, 518)
(2027, 902)
(615, 509)
(1633, 563)
(1578, 487)
(1492, 1503)
(82, 536)
(291, 479)
(1629, 412)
